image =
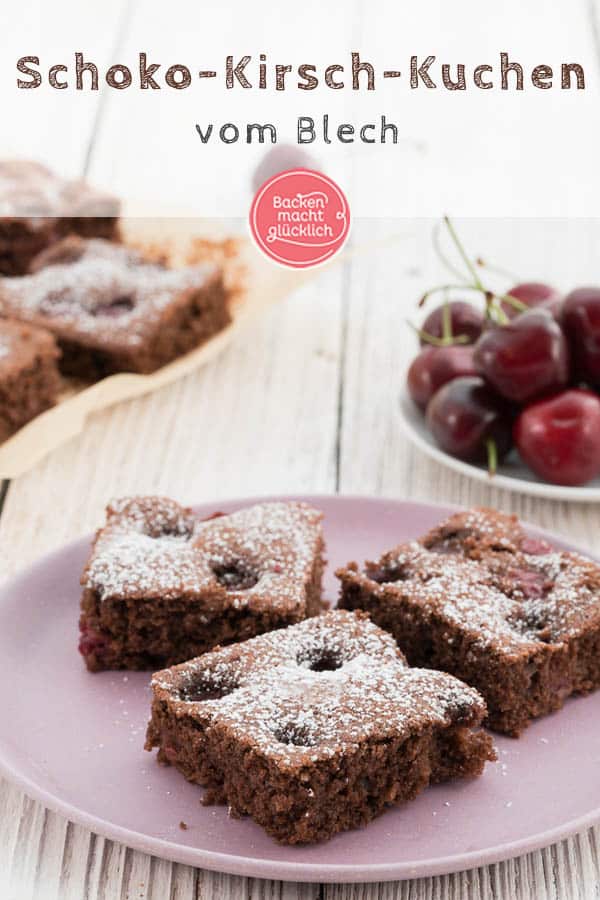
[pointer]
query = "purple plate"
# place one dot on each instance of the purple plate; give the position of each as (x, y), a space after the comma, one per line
(74, 741)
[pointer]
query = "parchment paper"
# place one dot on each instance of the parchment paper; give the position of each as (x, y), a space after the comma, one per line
(257, 284)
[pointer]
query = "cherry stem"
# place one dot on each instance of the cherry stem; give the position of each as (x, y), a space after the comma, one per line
(458, 244)
(441, 255)
(493, 301)
(480, 289)
(436, 341)
(512, 301)
(492, 455)
(446, 322)
(494, 311)
(451, 287)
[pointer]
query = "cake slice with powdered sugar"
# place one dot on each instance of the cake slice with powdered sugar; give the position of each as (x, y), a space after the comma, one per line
(111, 309)
(163, 585)
(317, 728)
(480, 598)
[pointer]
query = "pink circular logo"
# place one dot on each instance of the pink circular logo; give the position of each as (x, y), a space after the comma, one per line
(300, 218)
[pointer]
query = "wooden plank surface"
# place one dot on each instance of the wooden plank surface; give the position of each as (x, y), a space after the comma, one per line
(303, 401)
(41, 123)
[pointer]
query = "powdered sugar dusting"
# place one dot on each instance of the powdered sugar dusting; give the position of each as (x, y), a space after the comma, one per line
(472, 572)
(461, 591)
(134, 563)
(568, 601)
(107, 290)
(152, 547)
(475, 530)
(307, 691)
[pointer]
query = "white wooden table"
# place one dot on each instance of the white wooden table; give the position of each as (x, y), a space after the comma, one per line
(303, 401)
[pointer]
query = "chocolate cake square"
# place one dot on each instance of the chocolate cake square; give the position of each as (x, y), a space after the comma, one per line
(163, 585)
(113, 310)
(38, 208)
(316, 728)
(29, 377)
(479, 598)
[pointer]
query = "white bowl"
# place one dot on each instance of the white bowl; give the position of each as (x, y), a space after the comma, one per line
(512, 474)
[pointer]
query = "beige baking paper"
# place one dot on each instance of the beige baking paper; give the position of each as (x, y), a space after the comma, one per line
(257, 283)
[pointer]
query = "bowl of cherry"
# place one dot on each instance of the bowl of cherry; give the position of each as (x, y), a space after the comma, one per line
(505, 386)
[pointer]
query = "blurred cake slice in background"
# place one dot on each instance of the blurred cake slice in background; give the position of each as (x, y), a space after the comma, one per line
(38, 208)
(112, 309)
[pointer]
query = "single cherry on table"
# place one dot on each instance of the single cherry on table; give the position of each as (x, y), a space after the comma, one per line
(526, 358)
(559, 437)
(470, 422)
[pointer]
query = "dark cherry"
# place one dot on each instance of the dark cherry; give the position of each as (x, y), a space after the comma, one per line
(535, 546)
(469, 421)
(235, 575)
(581, 321)
(434, 367)
(534, 293)
(91, 641)
(526, 358)
(465, 319)
(529, 582)
(559, 437)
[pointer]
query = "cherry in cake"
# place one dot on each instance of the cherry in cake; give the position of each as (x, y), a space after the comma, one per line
(506, 613)
(113, 310)
(163, 585)
(315, 729)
